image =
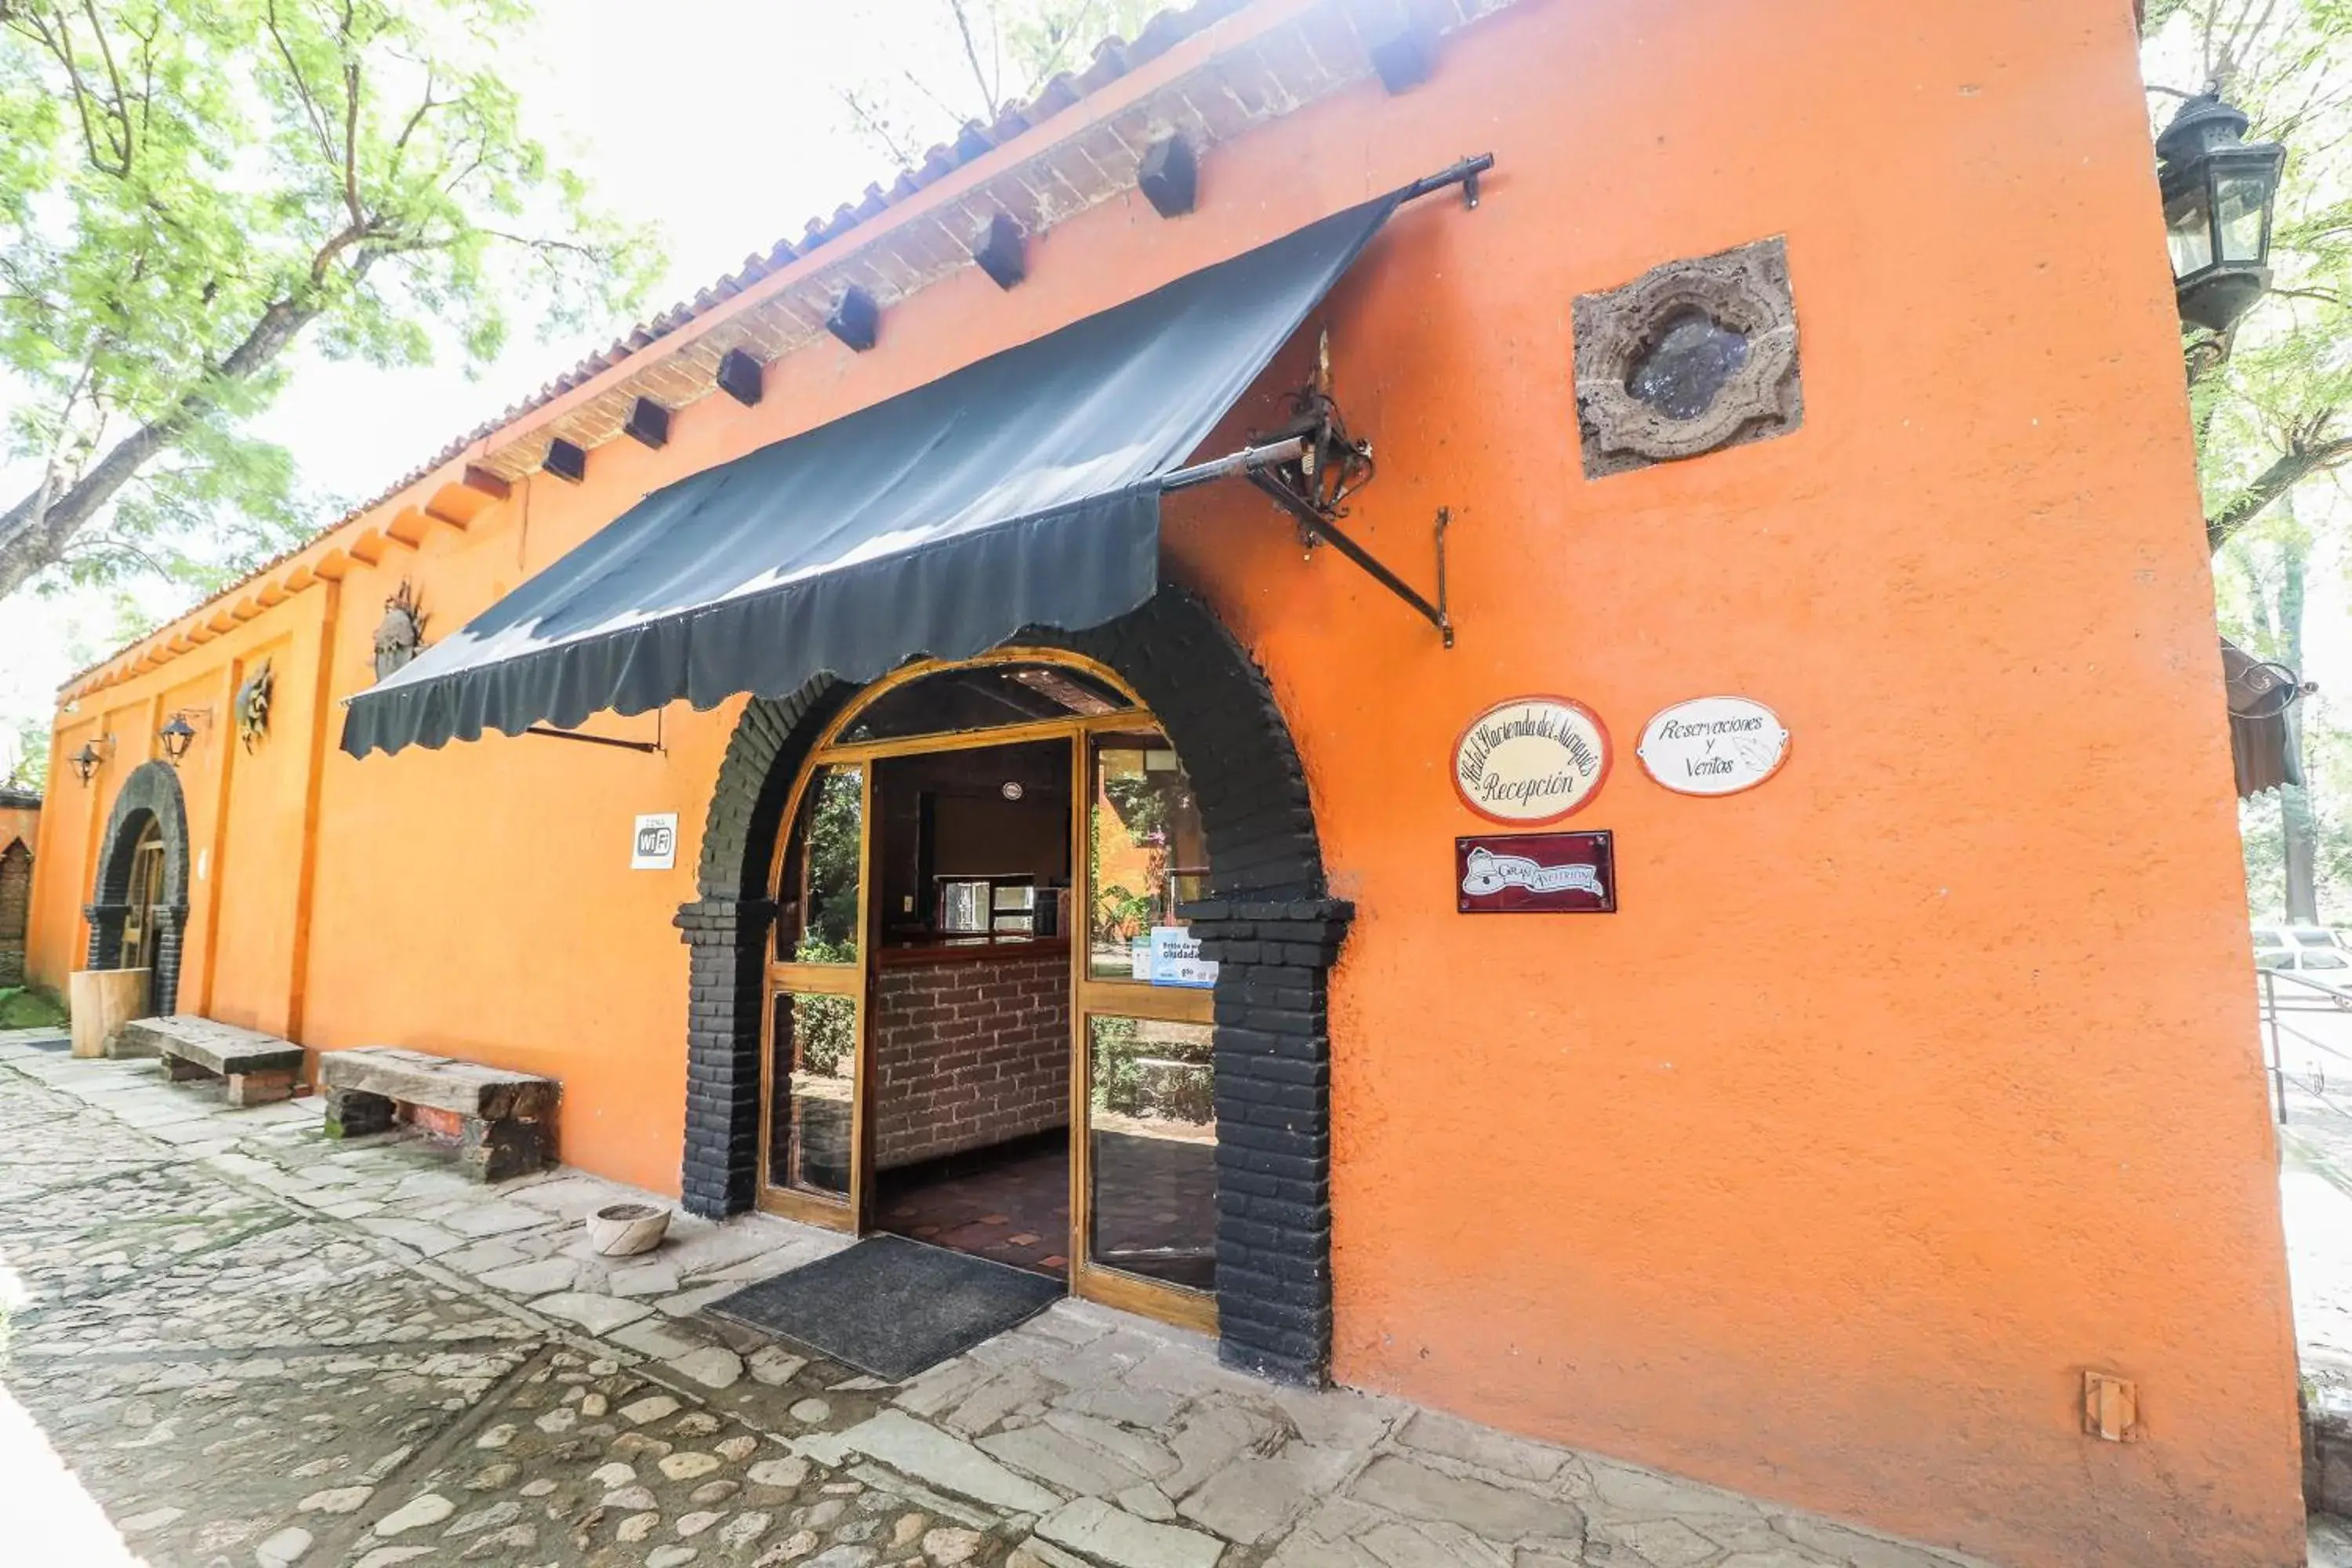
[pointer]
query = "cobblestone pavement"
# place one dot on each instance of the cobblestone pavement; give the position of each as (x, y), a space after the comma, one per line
(233, 1340)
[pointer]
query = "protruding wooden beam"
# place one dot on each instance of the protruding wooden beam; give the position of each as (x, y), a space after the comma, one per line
(1001, 251)
(456, 506)
(565, 461)
(1406, 60)
(741, 377)
(408, 526)
(648, 424)
(857, 320)
(489, 484)
(333, 566)
(1169, 175)
(369, 546)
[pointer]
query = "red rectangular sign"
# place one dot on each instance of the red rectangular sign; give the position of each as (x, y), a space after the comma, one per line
(1535, 874)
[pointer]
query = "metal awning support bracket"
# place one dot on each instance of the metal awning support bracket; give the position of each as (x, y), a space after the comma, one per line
(1312, 464)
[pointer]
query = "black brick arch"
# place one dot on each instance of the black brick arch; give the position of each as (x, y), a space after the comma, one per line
(152, 793)
(1267, 921)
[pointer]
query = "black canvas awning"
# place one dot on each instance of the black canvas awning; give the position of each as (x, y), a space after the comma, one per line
(1022, 491)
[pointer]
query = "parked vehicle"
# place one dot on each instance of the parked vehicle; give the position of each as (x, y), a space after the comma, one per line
(2332, 966)
(2270, 938)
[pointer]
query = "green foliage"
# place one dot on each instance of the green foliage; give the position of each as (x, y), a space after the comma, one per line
(30, 766)
(2276, 412)
(835, 841)
(188, 186)
(30, 1008)
(999, 53)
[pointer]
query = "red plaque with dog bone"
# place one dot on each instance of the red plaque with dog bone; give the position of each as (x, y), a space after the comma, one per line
(1535, 874)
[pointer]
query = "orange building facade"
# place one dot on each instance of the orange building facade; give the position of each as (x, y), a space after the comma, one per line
(1813, 1167)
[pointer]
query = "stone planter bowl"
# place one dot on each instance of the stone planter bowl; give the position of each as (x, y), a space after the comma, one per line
(623, 1230)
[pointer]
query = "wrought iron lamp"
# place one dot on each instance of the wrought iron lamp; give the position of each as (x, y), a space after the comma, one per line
(85, 762)
(176, 736)
(2218, 194)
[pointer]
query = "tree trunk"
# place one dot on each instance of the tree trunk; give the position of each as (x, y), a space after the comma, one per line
(34, 532)
(2293, 467)
(2297, 822)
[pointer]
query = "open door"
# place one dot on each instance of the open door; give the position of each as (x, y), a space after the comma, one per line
(812, 1163)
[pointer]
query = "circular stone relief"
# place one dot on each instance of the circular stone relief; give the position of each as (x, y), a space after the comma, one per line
(1531, 759)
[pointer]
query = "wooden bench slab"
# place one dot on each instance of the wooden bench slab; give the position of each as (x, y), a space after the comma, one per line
(505, 1119)
(259, 1067)
(413, 1078)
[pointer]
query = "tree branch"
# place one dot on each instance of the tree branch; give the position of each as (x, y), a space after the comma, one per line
(2303, 458)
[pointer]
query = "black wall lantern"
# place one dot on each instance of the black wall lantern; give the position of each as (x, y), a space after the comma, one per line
(2218, 194)
(178, 735)
(85, 762)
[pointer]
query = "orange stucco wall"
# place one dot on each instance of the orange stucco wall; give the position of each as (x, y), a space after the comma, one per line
(19, 822)
(1826, 1166)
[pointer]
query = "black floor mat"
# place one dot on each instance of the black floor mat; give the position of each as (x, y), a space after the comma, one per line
(891, 1307)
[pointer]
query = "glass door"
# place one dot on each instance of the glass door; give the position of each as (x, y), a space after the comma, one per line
(146, 890)
(812, 1163)
(1143, 1085)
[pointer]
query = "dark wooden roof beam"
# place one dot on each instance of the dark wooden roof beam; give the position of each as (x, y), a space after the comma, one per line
(741, 377)
(1001, 251)
(1169, 175)
(648, 424)
(857, 320)
(566, 460)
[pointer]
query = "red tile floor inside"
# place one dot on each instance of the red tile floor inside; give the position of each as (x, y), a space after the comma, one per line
(1155, 1205)
(1011, 1203)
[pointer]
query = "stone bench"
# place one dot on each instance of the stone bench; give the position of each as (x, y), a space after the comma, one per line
(505, 1121)
(259, 1067)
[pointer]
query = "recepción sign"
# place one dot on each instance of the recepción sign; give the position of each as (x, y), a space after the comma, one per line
(656, 846)
(1531, 759)
(1536, 874)
(1714, 745)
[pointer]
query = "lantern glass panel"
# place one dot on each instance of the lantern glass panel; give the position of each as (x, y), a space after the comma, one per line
(2240, 199)
(2188, 230)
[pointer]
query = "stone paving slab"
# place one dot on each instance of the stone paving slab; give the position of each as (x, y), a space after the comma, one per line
(253, 1344)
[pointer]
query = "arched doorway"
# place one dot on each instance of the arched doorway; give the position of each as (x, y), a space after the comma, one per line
(16, 897)
(140, 908)
(1260, 911)
(988, 1027)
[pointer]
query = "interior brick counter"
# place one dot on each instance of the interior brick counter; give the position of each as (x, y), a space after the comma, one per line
(969, 1052)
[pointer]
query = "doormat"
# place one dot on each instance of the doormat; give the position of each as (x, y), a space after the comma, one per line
(890, 1307)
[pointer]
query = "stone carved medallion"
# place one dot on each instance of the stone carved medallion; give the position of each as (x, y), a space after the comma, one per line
(253, 706)
(1689, 358)
(401, 634)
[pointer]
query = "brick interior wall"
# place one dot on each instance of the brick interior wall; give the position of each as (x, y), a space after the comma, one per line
(15, 891)
(969, 1052)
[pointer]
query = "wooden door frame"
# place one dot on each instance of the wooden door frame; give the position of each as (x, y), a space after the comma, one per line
(1113, 1288)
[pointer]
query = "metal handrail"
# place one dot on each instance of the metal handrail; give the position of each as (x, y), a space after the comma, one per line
(2315, 996)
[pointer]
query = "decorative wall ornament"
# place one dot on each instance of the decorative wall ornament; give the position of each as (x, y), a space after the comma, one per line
(1690, 357)
(253, 706)
(400, 635)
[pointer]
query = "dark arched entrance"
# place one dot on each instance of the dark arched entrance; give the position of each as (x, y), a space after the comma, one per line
(1267, 921)
(150, 810)
(15, 897)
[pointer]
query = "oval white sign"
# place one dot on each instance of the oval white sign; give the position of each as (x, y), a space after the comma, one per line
(1714, 745)
(1531, 759)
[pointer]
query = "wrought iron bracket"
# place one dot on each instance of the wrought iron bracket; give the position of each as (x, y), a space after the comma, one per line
(554, 734)
(1317, 527)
